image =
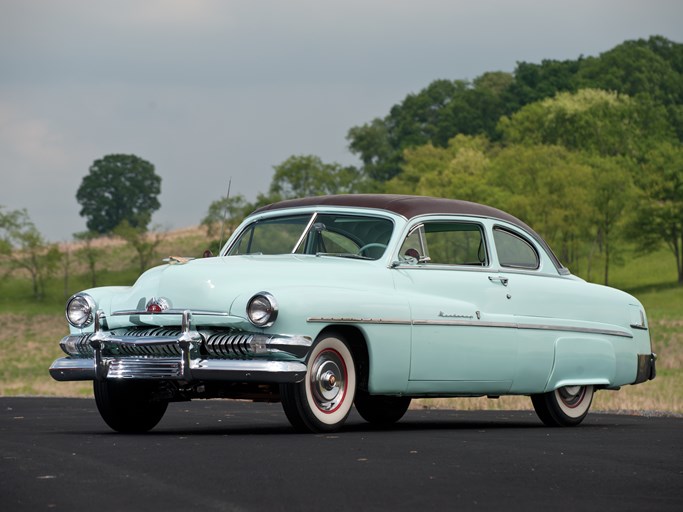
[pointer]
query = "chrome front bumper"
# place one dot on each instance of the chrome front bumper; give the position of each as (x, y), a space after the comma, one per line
(186, 355)
(68, 368)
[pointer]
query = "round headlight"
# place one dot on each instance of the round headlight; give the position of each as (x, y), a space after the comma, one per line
(80, 310)
(262, 309)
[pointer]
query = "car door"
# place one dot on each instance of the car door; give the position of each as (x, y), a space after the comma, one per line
(463, 337)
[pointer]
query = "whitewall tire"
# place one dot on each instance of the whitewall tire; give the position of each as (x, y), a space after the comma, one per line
(322, 402)
(564, 407)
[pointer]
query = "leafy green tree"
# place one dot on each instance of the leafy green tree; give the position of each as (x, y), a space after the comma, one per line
(371, 143)
(424, 117)
(589, 120)
(119, 188)
(545, 187)
(434, 115)
(651, 67)
(659, 214)
(536, 82)
(650, 71)
(457, 171)
(88, 253)
(145, 243)
(222, 217)
(308, 175)
(578, 201)
(22, 245)
(496, 82)
(610, 192)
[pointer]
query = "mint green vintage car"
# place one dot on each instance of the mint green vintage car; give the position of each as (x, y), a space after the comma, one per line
(325, 302)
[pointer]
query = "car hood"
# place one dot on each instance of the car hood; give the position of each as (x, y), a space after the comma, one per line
(224, 284)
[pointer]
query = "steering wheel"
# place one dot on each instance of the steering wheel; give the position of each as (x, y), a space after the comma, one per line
(371, 246)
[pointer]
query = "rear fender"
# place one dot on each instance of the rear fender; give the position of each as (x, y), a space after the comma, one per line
(582, 361)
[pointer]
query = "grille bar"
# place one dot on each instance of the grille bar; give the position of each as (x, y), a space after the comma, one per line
(144, 368)
(161, 349)
(229, 345)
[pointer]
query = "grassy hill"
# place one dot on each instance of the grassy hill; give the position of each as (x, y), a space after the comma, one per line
(30, 330)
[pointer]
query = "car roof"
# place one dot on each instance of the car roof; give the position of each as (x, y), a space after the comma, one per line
(405, 205)
(409, 206)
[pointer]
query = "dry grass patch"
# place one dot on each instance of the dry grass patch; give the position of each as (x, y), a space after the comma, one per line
(660, 395)
(28, 345)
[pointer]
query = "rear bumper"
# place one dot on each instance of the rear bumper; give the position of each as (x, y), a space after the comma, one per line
(646, 368)
(68, 368)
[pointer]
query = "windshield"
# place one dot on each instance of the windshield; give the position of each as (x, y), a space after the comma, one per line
(322, 234)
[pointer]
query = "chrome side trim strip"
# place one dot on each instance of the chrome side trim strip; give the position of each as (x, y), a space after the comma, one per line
(586, 330)
(466, 323)
(325, 320)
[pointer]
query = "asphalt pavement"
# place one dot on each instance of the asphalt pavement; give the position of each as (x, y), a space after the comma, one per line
(57, 454)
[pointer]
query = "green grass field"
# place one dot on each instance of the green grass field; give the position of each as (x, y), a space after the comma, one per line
(30, 331)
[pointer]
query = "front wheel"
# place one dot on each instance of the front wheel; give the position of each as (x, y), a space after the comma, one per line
(322, 402)
(564, 407)
(128, 406)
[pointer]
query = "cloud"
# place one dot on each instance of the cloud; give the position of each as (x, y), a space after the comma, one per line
(31, 140)
(172, 12)
(209, 89)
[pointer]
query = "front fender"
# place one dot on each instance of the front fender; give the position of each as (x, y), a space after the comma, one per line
(384, 319)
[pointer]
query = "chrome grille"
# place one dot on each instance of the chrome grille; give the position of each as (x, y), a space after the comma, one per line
(161, 342)
(78, 346)
(230, 346)
(152, 332)
(144, 368)
(168, 349)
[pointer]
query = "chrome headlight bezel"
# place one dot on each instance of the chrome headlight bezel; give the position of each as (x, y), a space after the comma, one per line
(262, 310)
(80, 310)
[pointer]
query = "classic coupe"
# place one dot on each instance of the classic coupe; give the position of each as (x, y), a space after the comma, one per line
(326, 302)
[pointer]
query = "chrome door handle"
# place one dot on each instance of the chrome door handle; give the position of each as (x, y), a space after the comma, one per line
(501, 279)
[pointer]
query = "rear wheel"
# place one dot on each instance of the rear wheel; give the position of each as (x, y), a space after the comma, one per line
(381, 410)
(129, 406)
(564, 407)
(322, 402)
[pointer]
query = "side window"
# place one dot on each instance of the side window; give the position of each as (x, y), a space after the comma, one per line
(447, 243)
(514, 251)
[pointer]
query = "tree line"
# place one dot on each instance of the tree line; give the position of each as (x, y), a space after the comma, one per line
(587, 151)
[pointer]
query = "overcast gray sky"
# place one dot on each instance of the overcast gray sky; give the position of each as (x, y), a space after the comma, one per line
(207, 90)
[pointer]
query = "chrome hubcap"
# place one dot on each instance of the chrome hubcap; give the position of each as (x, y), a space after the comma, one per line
(328, 380)
(571, 396)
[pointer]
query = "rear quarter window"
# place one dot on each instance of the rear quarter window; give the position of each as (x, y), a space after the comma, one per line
(514, 251)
